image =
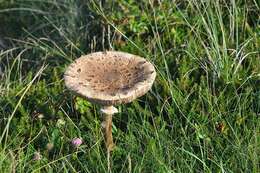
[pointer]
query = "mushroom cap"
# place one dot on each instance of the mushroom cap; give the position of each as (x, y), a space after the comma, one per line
(110, 78)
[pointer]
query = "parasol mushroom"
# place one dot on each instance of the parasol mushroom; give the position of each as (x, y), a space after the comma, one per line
(108, 79)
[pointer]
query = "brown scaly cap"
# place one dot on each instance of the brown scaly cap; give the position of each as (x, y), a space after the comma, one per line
(110, 78)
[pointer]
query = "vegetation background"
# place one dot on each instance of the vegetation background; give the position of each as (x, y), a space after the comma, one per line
(202, 114)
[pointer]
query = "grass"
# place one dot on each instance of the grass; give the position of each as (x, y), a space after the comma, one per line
(202, 114)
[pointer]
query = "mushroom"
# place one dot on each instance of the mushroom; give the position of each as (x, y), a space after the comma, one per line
(108, 79)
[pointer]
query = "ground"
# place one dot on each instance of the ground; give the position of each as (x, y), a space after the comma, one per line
(201, 115)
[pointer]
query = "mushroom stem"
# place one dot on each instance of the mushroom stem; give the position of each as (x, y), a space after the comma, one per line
(107, 130)
(108, 112)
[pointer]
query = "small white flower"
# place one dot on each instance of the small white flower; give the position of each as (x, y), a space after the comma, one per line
(37, 156)
(60, 123)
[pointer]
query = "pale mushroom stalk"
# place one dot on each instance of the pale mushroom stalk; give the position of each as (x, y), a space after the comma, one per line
(108, 112)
